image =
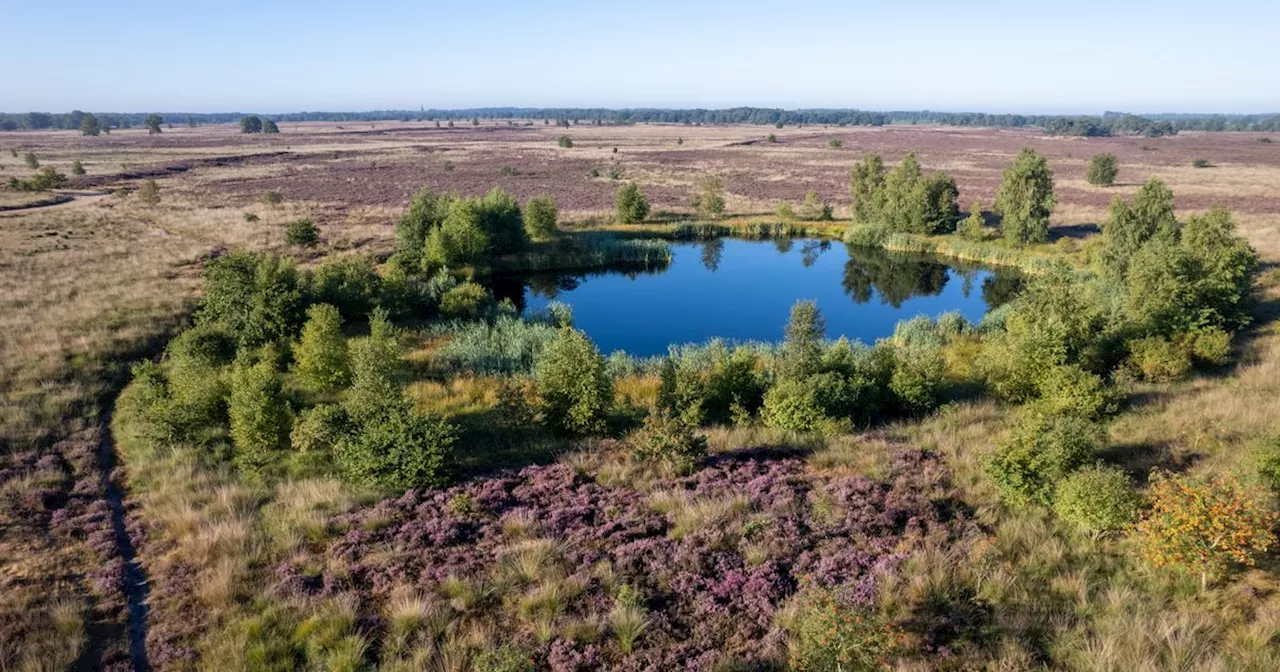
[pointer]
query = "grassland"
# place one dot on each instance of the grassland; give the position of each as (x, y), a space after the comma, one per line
(89, 287)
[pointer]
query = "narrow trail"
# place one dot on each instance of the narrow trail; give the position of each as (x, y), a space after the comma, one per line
(75, 199)
(135, 577)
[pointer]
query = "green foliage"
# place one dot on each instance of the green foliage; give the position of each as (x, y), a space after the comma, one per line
(630, 205)
(1264, 456)
(1201, 163)
(814, 208)
(469, 232)
(1102, 170)
(77, 168)
(321, 361)
(1128, 228)
(831, 634)
(867, 186)
(1210, 345)
(319, 430)
(802, 342)
(149, 193)
(565, 141)
(348, 283)
(573, 384)
(974, 227)
(269, 126)
(90, 126)
(1069, 390)
(709, 201)
(503, 658)
(794, 405)
(467, 300)
(508, 344)
(771, 138)
(1158, 359)
(45, 179)
(786, 212)
(668, 442)
(1043, 450)
(302, 232)
(904, 199)
(272, 198)
(540, 215)
(250, 124)
(1026, 199)
(29, 160)
(425, 212)
(398, 450)
(835, 143)
(375, 370)
(254, 298)
(152, 123)
(502, 222)
(918, 377)
(1098, 499)
(459, 240)
(260, 416)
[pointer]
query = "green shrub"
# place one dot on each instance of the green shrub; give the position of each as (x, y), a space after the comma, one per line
(272, 197)
(1264, 455)
(319, 430)
(709, 200)
(1201, 163)
(793, 404)
(565, 141)
(399, 449)
(866, 235)
(302, 232)
(459, 240)
(1210, 346)
(195, 363)
(540, 218)
(573, 384)
(260, 416)
(1070, 390)
(814, 208)
(831, 634)
(974, 227)
(1026, 199)
(1102, 170)
(503, 658)
(255, 298)
(466, 300)
(835, 143)
(77, 168)
(426, 211)
(29, 160)
(375, 370)
(1158, 359)
(348, 283)
(1041, 452)
(668, 442)
(321, 361)
(1099, 499)
(631, 206)
(786, 212)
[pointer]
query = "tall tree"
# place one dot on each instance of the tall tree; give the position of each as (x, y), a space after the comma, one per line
(866, 186)
(1026, 199)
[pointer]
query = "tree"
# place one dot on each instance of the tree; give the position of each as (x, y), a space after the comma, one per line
(630, 205)
(321, 360)
(1128, 228)
(426, 211)
(302, 232)
(814, 208)
(1042, 451)
(709, 201)
(540, 215)
(150, 193)
(90, 126)
(77, 168)
(502, 222)
(255, 298)
(573, 384)
(250, 124)
(1102, 170)
(939, 208)
(269, 126)
(1026, 199)
(1098, 499)
(565, 141)
(802, 341)
(260, 417)
(459, 240)
(974, 227)
(30, 160)
(153, 122)
(1204, 525)
(867, 189)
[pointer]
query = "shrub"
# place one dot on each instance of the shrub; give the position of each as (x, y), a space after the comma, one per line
(1158, 359)
(1204, 525)
(771, 138)
(503, 658)
(1098, 499)
(573, 384)
(250, 217)
(1210, 346)
(786, 212)
(509, 171)
(867, 188)
(251, 124)
(149, 193)
(399, 449)
(302, 232)
(793, 404)
(565, 141)
(709, 201)
(319, 430)
(260, 417)
(1041, 452)
(974, 227)
(77, 168)
(1026, 199)
(831, 634)
(1201, 163)
(272, 197)
(835, 143)
(668, 442)
(426, 211)
(1265, 458)
(615, 173)
(814, 208)
(631, 205)
(1070, 390)
(466, 300)
(321, 361)
(45, 179)
(269, 126)
(917, 378)
(348, 283)
(1102, 170)
(459, 240)
(540, 215)
(29, 160)
(255, 298)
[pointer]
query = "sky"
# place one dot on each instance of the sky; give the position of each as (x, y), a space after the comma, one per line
(273, 56)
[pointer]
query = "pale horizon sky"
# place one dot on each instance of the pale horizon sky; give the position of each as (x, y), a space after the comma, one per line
(1085, 57)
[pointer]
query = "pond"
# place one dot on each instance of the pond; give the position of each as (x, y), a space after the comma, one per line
(743, 290)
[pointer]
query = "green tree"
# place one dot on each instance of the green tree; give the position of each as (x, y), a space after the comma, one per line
(802, 341)
(426, 211)
(269, 126)
(903, 207)
(573, 384)
(30, 160)
(90, 126)
(502, 222)
(814, 208)
(630, 205)
(260, 416)
(565, 142)
(1026, 199)
(1098, 499)
(939, 208)
(77, 168)
(255, 298)
(459, 240)
(1102, 170)
(302, 232)
(709, 201)
(540, 214)
(152, 123)
(1043, 450)
(321, 361)
(1128, 228)
(150, 193)
(250, 124)
(974, 227)
(866, 186)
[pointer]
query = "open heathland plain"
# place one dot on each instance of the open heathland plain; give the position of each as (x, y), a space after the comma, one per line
(725, 532)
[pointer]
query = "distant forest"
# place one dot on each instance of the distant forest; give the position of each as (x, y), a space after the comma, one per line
(1109, 123)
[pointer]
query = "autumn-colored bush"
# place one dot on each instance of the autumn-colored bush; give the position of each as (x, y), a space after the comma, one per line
(831, 634)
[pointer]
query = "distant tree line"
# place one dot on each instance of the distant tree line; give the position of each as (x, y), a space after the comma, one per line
(1109, 123)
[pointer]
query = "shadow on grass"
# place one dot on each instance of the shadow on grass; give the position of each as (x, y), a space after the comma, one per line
(1074, 231)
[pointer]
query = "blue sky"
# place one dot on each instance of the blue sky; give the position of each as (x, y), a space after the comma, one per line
(997, 56)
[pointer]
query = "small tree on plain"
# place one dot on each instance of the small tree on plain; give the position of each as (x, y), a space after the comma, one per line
(1103, 170)
(1026, 199)
(302, 232)
(630, 205)
(565, 141)
(540, 215)
(974, 227)
(260, 417)
(709, 201)
(250, 124)
(90, 125)
(30, 160)
(153, 123)
(77, 168)
(269, 126)
(835, 143)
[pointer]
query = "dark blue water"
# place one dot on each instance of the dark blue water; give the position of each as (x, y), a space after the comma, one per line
(743, 290)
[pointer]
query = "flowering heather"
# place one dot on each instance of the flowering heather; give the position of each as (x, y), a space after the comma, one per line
(711, 564)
